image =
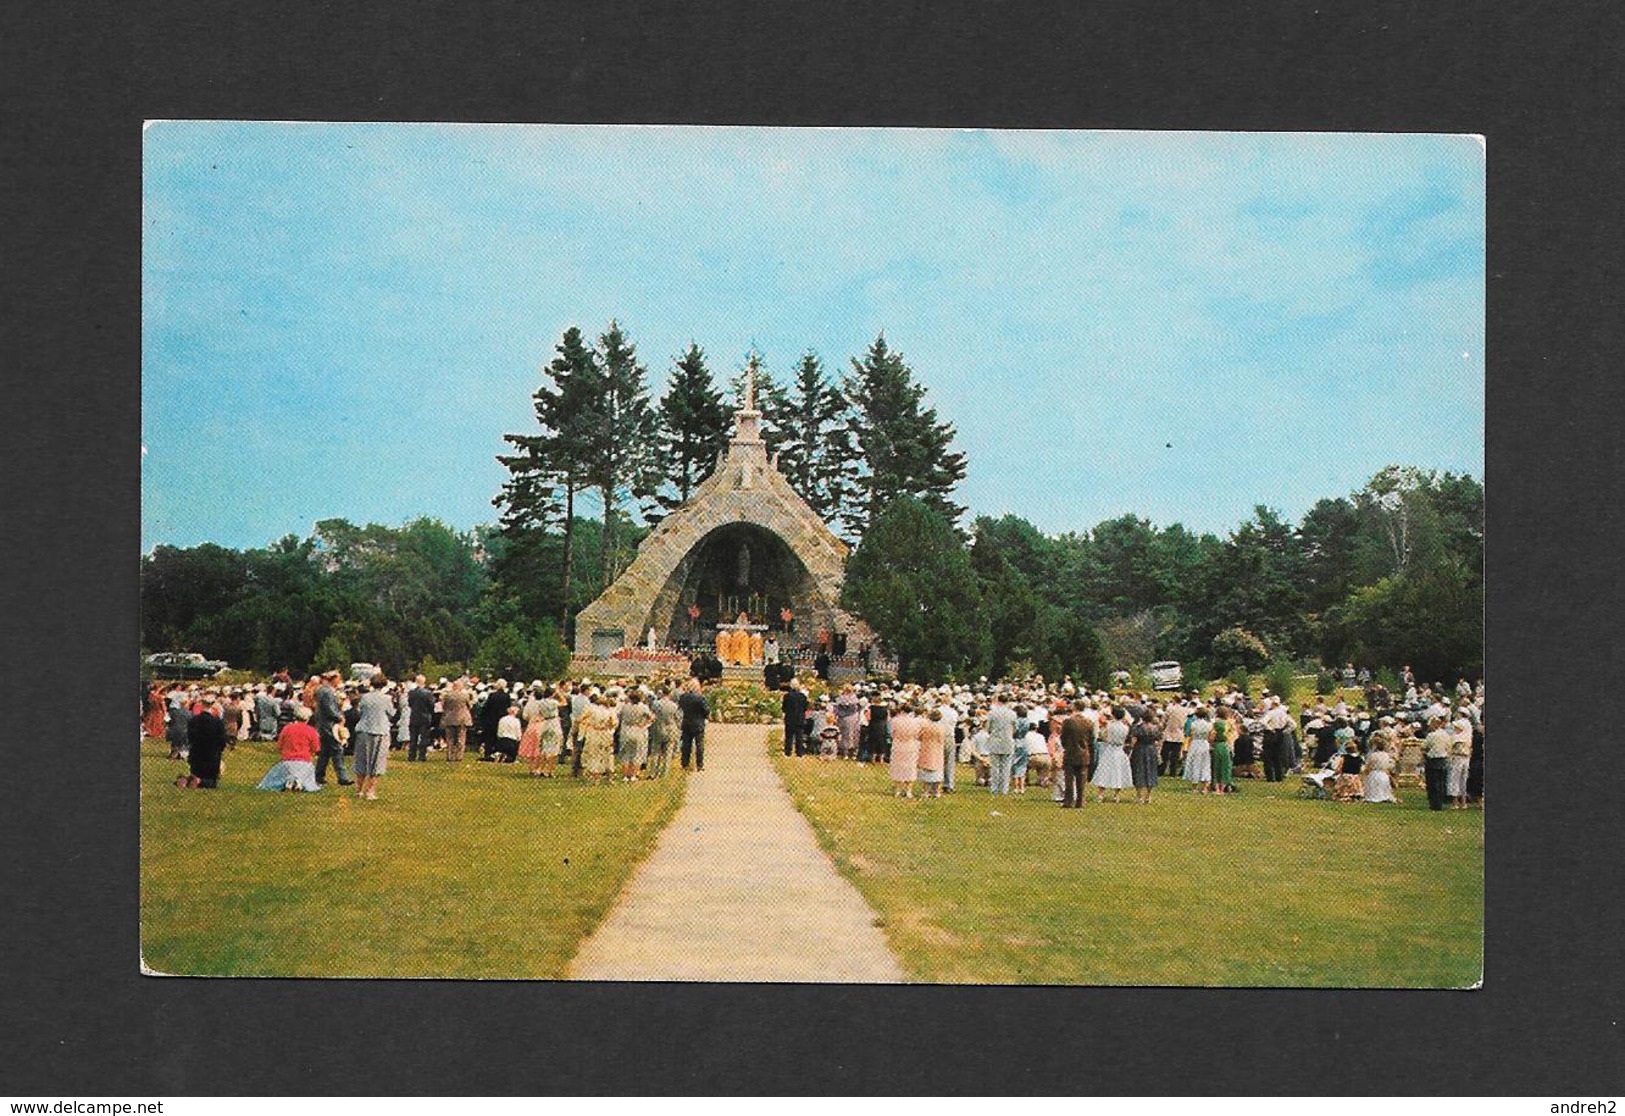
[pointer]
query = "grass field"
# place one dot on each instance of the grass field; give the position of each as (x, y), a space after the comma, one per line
(473, 870)
(1260, 888)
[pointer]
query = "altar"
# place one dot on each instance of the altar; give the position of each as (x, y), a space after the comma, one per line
(740, 643)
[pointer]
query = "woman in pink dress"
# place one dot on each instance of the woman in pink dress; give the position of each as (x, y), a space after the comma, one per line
(905, 750)
(933, 747)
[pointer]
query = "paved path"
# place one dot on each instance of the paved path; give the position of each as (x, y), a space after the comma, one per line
(737, 889)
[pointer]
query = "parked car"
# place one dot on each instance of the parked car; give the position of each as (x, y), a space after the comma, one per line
(183, 664)
(363, 672)
(1167, 675)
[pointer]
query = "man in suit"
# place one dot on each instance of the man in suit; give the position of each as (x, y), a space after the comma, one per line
(695, 714)
(455, 718)
(664, 733)
(265, 721)
(1001, 745)
(420, 719)
(1077, 746)
(794, 707)
(329, 715)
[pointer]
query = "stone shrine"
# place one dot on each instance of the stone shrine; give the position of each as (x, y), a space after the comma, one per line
(744, 552)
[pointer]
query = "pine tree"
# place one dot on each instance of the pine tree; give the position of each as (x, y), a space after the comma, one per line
(694, 424)
(902, 447)
(816, 455)
(554, 462)
(624, 440)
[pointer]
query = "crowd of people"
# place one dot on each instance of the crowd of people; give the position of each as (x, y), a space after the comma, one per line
(604, 733)
(1073, 741)
(1069, 740)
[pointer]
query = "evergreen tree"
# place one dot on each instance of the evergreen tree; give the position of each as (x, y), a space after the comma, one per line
(911, 579)
(816, 454)
(549, 467)
(624, 441)
(694, 424)
(1009, 605)
(904, 450)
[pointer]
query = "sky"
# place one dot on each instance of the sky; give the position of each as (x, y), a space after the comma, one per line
(342, 320)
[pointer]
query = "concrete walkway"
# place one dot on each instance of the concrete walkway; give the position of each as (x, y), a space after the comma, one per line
(737, 889)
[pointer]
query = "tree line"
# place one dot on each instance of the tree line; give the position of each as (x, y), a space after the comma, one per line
(1388, 576)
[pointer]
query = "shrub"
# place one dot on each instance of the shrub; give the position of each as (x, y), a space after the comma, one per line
(1326, 683)
(1279, 678)
(1020, 669)
(510, 651)
(434, 670)
(1241, 680)
(1237, 647)
(744, 703)
(333, 654)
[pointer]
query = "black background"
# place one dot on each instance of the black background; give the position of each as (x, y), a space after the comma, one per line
(1539, 79)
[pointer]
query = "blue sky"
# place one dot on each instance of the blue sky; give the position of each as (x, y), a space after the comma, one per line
(343, 319)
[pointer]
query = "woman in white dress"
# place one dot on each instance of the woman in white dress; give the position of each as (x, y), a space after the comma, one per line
(1199, 756)
(1112, 770)
(1379, 768)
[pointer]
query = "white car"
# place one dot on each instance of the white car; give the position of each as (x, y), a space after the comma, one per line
(363, 672)
(1167, 675)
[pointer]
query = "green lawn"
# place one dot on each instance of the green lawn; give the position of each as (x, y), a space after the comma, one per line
(473, 870)
(1260, 888)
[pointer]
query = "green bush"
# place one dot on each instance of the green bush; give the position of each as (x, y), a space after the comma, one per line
(512, 652)
(1279, 678)
(1240, 679)
(434, 670)
(1021, 668)
(333, 654)
(744, 703)
(1237, 647)
(1326, 683)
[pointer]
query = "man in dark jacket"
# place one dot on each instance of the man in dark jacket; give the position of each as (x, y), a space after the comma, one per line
(329, 715)
(491, 714)
(1077, 742)
(420, 720)
(695, 714)
(794, 706)
(206, 743)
